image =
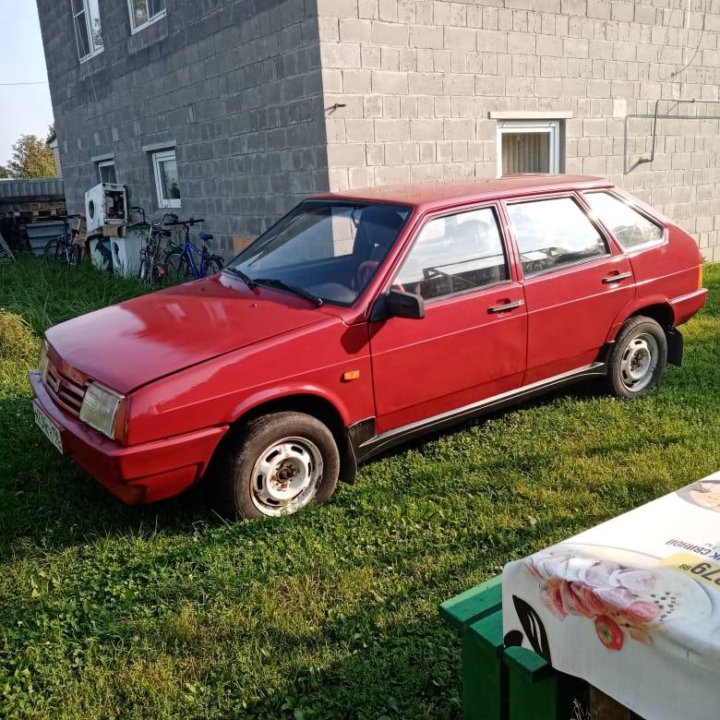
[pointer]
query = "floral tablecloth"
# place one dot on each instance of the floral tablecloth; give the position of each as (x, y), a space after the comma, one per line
(632, 605)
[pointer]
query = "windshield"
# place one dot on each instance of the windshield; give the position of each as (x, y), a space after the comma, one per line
(322, 250)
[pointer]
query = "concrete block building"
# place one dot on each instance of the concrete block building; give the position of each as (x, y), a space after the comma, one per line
(233, 110)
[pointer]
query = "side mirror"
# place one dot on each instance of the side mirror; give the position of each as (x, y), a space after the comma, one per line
(405, 305)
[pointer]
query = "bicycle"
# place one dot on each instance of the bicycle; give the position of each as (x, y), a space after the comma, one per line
(152, 267)
(63, 249)
(181, 264)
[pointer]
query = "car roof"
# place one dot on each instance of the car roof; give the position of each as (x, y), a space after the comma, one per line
(428, 196)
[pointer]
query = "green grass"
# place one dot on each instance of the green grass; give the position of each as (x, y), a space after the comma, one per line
(168, 612)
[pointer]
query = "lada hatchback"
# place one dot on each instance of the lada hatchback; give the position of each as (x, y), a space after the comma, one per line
(360, 320)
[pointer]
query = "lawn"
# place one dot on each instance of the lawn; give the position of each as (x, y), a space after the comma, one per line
(168, 612)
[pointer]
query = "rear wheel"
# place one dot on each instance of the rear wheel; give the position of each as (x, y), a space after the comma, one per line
(213, 264)
(279, 464)
(177, 267)
(638, 359)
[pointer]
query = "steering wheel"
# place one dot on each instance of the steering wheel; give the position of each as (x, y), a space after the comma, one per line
(365, 271)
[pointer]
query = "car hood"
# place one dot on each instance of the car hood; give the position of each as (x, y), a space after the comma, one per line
(131, 344)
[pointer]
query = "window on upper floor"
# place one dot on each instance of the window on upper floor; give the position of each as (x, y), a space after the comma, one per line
(167, 180)
(144, 12)
(88, 31)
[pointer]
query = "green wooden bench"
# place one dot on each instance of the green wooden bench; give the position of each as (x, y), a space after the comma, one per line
(501, 683)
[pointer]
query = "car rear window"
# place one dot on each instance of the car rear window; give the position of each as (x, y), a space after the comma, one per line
(553, 233)
(629, 227)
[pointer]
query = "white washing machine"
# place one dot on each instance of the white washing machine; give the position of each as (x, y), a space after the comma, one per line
(105, 206)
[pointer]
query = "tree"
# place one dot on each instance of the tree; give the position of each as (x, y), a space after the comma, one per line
(4, 172)
(31, 158)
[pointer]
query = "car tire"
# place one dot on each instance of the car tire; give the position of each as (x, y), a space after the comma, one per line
(290, 443)
(638, 358)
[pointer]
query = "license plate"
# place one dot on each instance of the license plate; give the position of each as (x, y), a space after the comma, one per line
(48, 427)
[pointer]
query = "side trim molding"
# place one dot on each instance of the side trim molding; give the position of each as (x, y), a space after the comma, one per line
(366, 449)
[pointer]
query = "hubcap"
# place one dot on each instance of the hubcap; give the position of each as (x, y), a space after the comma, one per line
(286, 476)
(639, 362)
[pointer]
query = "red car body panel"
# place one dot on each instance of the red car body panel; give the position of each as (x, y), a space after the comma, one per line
(148, 337)
(194, 359)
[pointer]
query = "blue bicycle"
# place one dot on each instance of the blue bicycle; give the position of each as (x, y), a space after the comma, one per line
(190, 261)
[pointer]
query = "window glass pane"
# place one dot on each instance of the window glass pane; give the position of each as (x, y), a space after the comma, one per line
(552, 233)
(331, 249)
(525, 152)
(168, 177)
(141, 12)
(83, 40)
(107, 173)
(93, 12)
(156, 7)
(627, 225)
(321, 233)
(453, 254)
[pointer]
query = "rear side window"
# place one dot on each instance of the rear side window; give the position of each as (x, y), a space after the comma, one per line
(455, 254)
(629, 227)
(553, 233)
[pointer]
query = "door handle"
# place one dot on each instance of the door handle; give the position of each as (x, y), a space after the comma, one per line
(619, 277)
(505, 307)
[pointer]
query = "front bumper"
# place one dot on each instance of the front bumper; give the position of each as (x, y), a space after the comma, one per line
(137, 474)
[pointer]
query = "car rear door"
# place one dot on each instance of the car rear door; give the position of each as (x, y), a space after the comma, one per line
(576, 281)
(471, 343)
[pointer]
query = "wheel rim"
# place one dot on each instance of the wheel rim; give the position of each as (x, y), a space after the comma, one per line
(286, 476)
(639, 361)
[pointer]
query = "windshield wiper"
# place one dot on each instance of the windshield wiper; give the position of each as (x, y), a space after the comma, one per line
(239, 273)
(282, 285)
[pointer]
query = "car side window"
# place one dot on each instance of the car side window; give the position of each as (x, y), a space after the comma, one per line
(553, 233)
(629, 227)
(454, 254)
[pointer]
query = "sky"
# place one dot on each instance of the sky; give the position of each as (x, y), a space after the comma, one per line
(24, 109)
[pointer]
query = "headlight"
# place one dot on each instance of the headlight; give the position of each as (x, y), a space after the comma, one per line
(43, 361)
(103, 410)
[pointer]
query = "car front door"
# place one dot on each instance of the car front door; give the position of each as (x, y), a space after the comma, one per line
(471, 343)
(576, 282)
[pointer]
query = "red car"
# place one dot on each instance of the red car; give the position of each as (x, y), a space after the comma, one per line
(363, 319)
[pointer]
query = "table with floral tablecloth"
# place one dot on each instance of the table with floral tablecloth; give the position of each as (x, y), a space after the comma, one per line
(632, 606)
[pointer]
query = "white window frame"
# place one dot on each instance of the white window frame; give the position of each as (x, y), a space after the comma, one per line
(105, 163)
(137, 28)
(158, 157)
(94, 50)
(551, 128)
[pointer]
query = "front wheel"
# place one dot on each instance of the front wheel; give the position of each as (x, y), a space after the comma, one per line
(54, 251)
(74, 255)
(280, 463)
(638, 359)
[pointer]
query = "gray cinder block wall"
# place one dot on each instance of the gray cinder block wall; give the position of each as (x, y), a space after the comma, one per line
(235, 85)
(271, 100)
(420, 80)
